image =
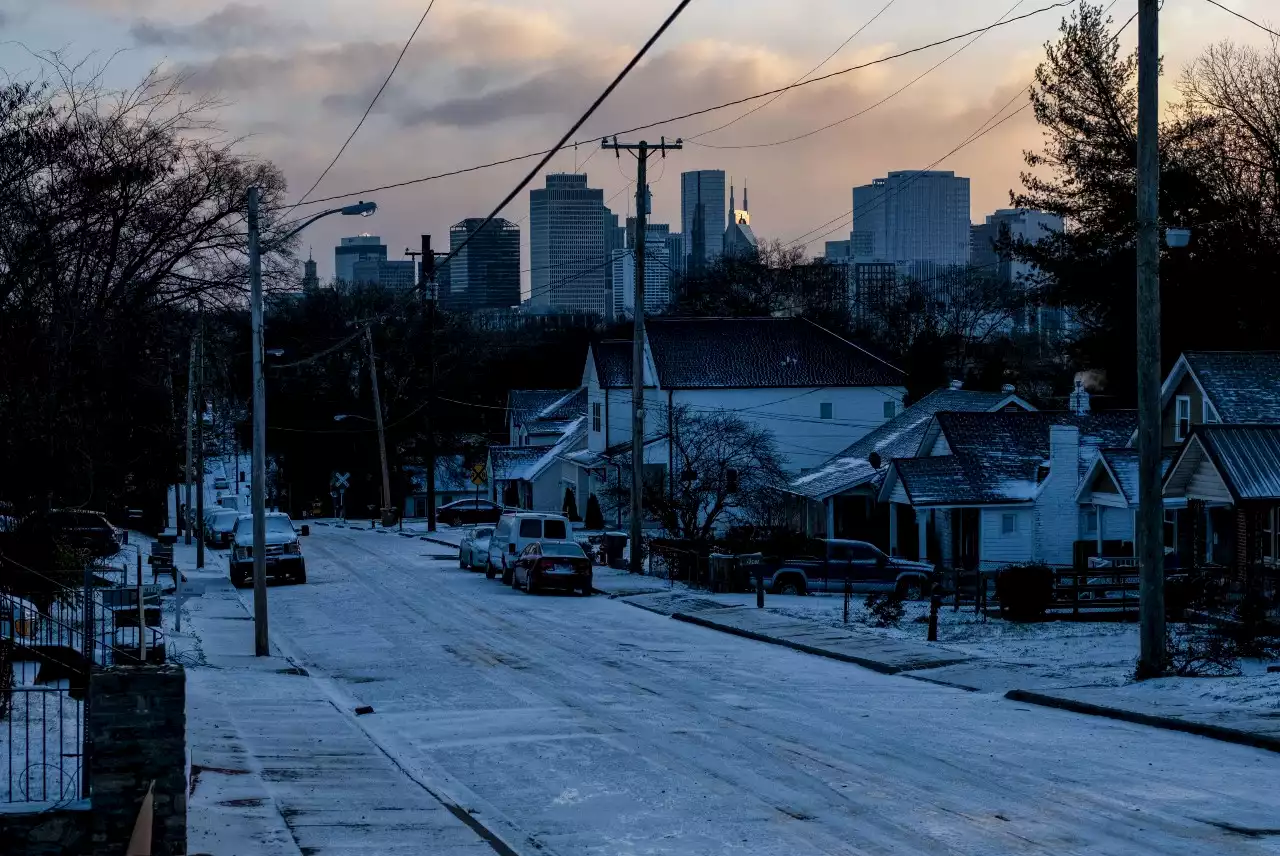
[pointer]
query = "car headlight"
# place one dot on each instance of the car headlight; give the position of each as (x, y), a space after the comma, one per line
(293, 548)
(242, 553)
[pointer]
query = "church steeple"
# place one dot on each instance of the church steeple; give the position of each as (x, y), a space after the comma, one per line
(745, 206)
(732, 217)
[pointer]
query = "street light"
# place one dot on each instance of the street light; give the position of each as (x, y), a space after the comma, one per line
(261, 642)
(339, 417)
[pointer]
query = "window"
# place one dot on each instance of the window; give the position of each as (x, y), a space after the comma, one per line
(554, 530)
(839, 552)
(1181, 418)
(863, 553)
(530, 528)
(595, 417)
(890, 409)
(1008, 524)
(1090, 521)
(1206, 411)
(825, 410)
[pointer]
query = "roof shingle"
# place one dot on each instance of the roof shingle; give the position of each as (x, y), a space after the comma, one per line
(1244, 386)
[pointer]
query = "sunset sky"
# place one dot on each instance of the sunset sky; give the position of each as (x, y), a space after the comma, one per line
(487, 79)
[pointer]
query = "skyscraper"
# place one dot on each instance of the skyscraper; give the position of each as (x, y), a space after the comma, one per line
(912, 216)
(675, 258)
(1017, 224)
(657, 289)
(615, 238)
(401, 275)
(566, 242)
(739, 240)
(702, 217)
(358, 249)
(485, 274)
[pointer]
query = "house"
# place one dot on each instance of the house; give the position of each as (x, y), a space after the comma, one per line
(839, 498)
(453, 482)
(534, 476)
(811, 389)
(539, 417)
(989, 489)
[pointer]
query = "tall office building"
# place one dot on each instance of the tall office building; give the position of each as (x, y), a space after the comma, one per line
(401, 275)
(739, 240)
(485, 274)
(657, 288)
(675, 258)
(912, 216)
(615, 238)
(702, 217)
(361, 248)
(1019, 224)
(566, 242)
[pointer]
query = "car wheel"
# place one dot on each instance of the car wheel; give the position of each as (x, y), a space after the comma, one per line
(529, 585)
(790, 584)
(462, 562)
(239, 579)
(489, 572)
(586, 591)
(508, 576)
(911, 588)
(301, 576)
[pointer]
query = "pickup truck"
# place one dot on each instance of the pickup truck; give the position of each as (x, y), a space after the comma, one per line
(832, 561)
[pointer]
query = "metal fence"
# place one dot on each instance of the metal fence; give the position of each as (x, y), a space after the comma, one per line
(43, 737)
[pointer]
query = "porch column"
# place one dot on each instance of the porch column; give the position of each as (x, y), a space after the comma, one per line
(922, 525)
(893, 529)
(1097, 510)
(829, 505)
(1208, 536)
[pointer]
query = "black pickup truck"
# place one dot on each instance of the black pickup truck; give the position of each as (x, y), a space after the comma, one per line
(831, 562)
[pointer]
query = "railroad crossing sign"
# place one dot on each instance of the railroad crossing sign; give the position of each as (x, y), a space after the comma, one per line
(341, 479)
(479, 474)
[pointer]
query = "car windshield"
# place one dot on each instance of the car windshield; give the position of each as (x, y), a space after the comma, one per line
(486, 532)
(275, 526)
(567, 549)
(225, 519)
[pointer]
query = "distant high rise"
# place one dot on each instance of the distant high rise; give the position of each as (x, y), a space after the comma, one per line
(1017, 224)
(567, 242)
(675, 258)
(310, 279)
(652, 228)
(361, 248)
(702, 216)
(615, 238)
(739, 240)
(657, 288)
(913, 216)
(399, 275)
(836, 252)
(485, 274)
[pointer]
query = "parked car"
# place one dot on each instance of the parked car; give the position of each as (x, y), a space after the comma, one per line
(218, 527)
(464, 511)
(235, 503)
(473, 552)
(552, 565)
(832, 561)
(517, 530)
(76, 528)
(283, 554)
(221, 483)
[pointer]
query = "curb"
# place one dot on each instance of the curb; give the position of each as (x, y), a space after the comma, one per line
(873, 665)
(1200, 729)
(439, 541)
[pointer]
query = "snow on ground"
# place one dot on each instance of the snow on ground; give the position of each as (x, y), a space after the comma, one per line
(596, 728)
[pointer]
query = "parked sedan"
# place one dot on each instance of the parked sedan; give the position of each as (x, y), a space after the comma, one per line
(469, 511)
(218, 526)
(473, 553)
(552, 565)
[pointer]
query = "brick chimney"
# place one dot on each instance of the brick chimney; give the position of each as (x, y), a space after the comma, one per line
(1056, 510)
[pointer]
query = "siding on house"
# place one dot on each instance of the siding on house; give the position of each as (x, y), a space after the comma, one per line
(1205, 483)
(998, 548)
(1169, 419)
(1117, 524)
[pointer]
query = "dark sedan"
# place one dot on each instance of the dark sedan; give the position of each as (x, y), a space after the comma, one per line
(469, 511)
(552, 565)
(75, 528)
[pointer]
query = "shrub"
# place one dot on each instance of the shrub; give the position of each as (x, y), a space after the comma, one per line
(595, 518)
(1025, 591)
(1201, 652)
(571, 505)
(884, 609)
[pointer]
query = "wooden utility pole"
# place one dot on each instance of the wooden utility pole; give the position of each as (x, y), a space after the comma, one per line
(200, 444)
(191, 392)
(641, 150)
(429, 294)
(387, 516)
(258, 486)
(1150, 516)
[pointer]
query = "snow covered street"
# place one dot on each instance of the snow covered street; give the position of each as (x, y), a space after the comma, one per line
(585, 726)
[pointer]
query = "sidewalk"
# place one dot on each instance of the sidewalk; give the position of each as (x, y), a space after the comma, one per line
(278, 767)
(1179, 704)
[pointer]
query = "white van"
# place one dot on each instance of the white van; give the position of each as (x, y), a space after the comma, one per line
(235, 502)
(517, 530)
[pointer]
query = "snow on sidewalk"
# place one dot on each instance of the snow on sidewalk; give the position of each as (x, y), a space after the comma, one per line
(277, 768)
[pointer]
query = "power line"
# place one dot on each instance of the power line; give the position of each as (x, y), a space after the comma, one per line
(705, 110)
(873, 106)
(635, 60)
(1245, 18)
(843, 44)
(368, 109)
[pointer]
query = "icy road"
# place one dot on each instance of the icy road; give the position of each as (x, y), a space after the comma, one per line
(586, 726)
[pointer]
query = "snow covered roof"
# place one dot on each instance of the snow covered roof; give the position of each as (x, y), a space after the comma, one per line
(574, 436)
(1243, 386)
(997, 457)
(510, 463)
(613, 363)
(897, 438)
(527, 405)
(1122, 466)
(755, 353)
(452, 475)
(1246, 457)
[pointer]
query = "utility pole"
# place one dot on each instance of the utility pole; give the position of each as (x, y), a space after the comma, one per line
(641, 150)
(200, 446)
(261, 642)
(387, 510)
(1150, 517)
(191, 392)
(429, 294)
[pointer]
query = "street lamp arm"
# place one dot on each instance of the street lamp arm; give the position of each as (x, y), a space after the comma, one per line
(360, 209)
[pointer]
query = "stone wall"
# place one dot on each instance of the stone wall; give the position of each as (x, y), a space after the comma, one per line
(41, 829)
(137, 732)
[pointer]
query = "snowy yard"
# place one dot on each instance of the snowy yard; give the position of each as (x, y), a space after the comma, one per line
(40, 742)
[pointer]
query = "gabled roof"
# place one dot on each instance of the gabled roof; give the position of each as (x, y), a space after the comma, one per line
(576, 435)
(1121, 465)
(897, 438)
(998, 456)
(527, 404)
(569, 406)
(754, 353)
(1246, 457)
(612, 363)
(511, 463)
(1242, 386)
